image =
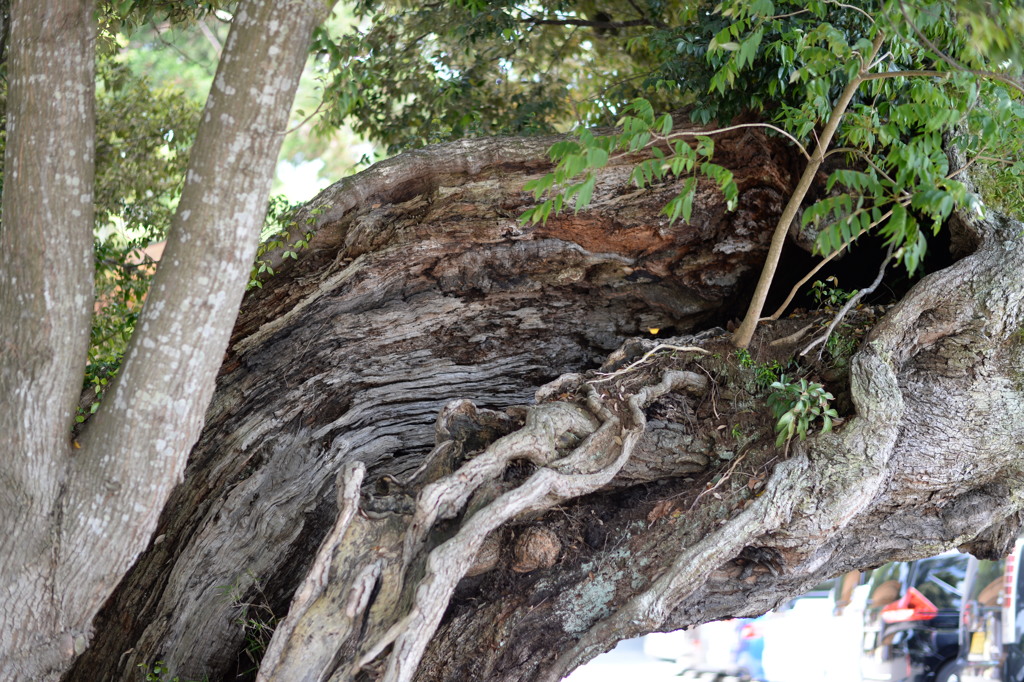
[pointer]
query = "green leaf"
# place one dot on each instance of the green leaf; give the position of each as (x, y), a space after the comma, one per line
(560, 150)
(639, 141)
(664, 124)
(705, 146)
(689, 191)
(643, 110)
(597, 157)
(586, 190)
(897, 225)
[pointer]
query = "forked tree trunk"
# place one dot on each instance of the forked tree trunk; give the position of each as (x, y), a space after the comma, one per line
(76, 513)
(508, 539)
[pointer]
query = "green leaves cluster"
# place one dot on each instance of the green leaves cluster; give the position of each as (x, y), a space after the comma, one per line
(796, 405)
(669, 156)
(277, 235)
(936, 83)
(827, 293)
(156, 673)
(416, 73)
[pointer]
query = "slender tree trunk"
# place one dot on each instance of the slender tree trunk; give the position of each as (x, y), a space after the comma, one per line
(745, 332)
(45, 307)
(77, 514)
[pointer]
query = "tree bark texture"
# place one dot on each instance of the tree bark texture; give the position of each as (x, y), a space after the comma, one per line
(438, 450)
(46, 272)
(77, 513)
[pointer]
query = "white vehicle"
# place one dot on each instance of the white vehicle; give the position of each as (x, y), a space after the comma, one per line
(707, 648)
(800, 638)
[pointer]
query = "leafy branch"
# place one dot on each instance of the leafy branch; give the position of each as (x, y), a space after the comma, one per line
(669, 156)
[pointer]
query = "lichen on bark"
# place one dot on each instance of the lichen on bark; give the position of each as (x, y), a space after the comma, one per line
(655, 474)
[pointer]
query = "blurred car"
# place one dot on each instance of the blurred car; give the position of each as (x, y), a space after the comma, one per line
(991, 620)
(911, 620)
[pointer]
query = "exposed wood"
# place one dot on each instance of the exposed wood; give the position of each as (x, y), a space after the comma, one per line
(420, 287)
(531, 472)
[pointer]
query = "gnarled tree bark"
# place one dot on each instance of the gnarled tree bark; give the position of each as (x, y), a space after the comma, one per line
(437, 451)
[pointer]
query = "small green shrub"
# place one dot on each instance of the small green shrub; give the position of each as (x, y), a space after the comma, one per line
(766, 374)
(276, 235)
(796, 405)
(156, 673)
(743, 358)
(828, 293)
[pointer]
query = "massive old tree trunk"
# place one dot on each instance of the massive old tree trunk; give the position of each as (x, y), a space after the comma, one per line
(439, 451)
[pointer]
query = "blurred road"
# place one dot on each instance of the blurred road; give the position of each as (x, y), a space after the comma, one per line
(626, 661)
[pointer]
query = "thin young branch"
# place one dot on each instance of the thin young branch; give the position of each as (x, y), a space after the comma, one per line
(787, 16)
(307, 119)
(745, 333)
(926, 73)
(849, 305)
(589, 23)
(160, 30)
(852, 7)
(985, 157)
(780, 131)
(655, 138)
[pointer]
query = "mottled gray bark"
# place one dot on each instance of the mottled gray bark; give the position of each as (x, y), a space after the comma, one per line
(45, 305)
(425, 291)
(76, 514)
(376, 457)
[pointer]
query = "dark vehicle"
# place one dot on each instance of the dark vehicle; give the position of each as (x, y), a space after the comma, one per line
(911, 620)
(991, 621)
